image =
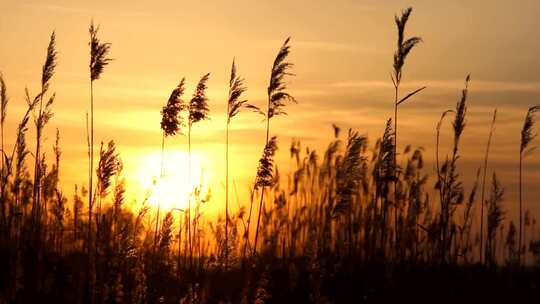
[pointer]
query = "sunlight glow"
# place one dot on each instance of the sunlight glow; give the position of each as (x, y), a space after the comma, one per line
(172, 189)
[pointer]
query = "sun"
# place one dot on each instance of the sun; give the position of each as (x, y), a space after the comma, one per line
(171, 188)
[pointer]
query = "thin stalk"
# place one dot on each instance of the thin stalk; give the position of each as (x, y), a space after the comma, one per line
(396, 94)
(90, 138)
(189, 199)
(179, 245)
(440, 180)
(248, 227)
(160, 177)
(91, 167)
(37, 166)
(227, 192)
(520, 207)
(484, 173)
(262, 188)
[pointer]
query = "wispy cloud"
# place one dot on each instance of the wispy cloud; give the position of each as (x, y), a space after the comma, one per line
(68, 9)
(334, 46)
(476, 85)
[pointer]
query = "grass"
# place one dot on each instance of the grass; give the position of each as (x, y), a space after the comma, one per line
(357, 221)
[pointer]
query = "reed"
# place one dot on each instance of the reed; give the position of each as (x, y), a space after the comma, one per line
(527, 136)
(451, 192)
(265, 178)
(235, 104)
(99, 52)
(171, 124)
(41, 118)
(404, 47)
(198, 111)
(277, 100)
(484, 169)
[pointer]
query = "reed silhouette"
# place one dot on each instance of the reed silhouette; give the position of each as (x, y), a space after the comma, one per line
(527, 136)
(234, 105)
(198, 111)
(172, 123)
(277, 96)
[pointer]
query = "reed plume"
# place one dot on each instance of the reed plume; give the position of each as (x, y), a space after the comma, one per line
(171, 120)
(265, 178)
(108, 166)
(265, 170)
(527, 136)
(235, 103)
(350, 173)
(50, 64)
(99, 52)
(277, 94)
(198, 105)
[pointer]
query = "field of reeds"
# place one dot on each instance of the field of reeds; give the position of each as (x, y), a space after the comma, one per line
(356, 223)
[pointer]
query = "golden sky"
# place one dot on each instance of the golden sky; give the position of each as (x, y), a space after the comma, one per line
(342, 51)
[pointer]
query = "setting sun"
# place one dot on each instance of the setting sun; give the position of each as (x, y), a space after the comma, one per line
(171, 188)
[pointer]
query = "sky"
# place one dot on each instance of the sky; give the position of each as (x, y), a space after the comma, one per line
(342, 51)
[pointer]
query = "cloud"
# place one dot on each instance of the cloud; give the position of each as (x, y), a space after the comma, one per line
(334, 46)
(66, 9)
(476, 85)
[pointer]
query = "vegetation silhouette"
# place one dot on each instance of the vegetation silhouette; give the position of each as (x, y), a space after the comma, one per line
(360, 222)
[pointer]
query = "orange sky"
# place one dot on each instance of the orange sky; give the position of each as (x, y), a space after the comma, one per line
(342, 52)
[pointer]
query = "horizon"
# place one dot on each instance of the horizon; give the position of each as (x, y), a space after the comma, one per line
(350, 87)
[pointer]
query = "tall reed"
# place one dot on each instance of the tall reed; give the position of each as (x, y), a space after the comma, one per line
(235, 104)
(527, 136)
(403, 49)
(171, 124)
(450, 188)
(198, 111)
(99, 52)
(277, 98)
(40, 120)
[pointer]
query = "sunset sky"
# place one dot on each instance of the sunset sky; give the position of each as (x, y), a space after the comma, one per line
(342, 51)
